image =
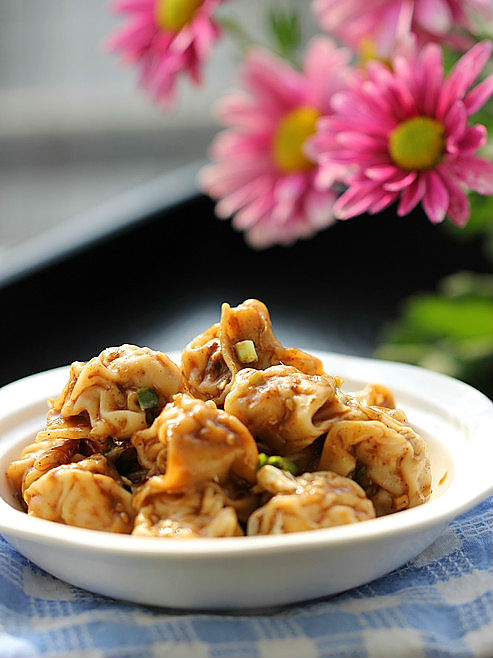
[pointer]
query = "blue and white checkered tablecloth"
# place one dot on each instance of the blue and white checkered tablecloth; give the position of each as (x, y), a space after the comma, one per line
(439, 604)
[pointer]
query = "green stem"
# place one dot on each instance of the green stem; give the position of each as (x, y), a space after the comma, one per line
(236, 30)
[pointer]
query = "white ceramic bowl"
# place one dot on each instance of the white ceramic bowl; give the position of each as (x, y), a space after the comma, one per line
(243, 572)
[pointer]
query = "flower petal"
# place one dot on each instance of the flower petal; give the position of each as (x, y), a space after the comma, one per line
(463, 76)
(475, 100)
(434, 16)
(253, 212)
(455, 121)
(163, 54)
(436, 198)
(400, 182)
(129, 6)
(432, 68)
(412, 196)
(235, 144)
(319, 208)
(476, 173)
(272, 80)
(287, 192)
(381, 173)
(244, 195)
(383, 201)
(356, 200)
(240, 110)
(326, 72)
(459, 209)
(473, 139)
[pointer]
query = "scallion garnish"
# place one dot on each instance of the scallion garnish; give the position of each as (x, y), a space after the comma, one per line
(148, 398)
(277, 461)
(246, 352)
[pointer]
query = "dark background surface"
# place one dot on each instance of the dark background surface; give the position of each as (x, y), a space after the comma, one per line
(163, 282)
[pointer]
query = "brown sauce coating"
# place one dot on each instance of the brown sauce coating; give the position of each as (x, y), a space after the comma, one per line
(248, 437)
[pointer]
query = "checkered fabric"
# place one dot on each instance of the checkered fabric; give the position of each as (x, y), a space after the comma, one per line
(439, 604)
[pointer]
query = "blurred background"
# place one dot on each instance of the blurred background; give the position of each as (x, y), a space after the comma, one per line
(74, 132)
(105, 239)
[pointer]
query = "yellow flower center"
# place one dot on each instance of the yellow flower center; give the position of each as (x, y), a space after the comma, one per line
(173, 15)
(417, 143)
(290, 137)
(368, 52)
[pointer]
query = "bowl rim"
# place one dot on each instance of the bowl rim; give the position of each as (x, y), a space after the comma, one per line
(449, 505)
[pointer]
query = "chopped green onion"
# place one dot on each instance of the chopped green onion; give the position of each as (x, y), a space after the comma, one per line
(282, 463)
(246, 352)
(262, 459)
(148, 398)
(277, 461)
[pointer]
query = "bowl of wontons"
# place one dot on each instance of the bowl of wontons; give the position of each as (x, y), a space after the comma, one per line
(239, 473)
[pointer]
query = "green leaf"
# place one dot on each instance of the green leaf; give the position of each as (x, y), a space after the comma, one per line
(450, 59)
(458, 319)
(285, 27)
(450, 331)
(461, 310)
(467, 284)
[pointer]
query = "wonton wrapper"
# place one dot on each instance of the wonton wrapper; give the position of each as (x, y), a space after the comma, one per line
(193, 471)
(210, 361)
(203, 512)
(193, 441)
(84, 494)
(204, 369)
(307, 502)
(105, 389)
(394, 459)
(282, 407)
(36, 459)
(59, 443)
(376, 395)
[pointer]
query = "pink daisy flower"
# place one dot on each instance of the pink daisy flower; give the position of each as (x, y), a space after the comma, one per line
(262, 175)
(403, 134)
(376, 27)
(166, 38)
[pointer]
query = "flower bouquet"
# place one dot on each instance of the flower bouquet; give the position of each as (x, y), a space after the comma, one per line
(382, 104)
